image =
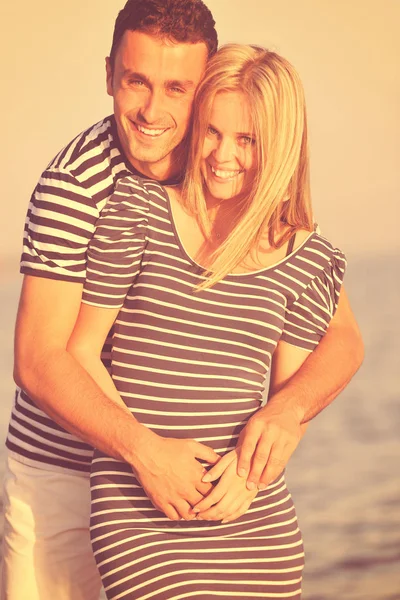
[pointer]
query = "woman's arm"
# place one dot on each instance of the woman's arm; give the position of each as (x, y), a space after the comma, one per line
(86, 343)
(168, 469)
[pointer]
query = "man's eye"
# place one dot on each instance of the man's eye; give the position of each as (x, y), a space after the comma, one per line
(176, 90)
(136, 82)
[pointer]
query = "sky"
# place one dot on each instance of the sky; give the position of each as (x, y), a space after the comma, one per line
(346, 53)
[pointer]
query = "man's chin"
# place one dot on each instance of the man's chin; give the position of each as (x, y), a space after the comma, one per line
(147, 156)
(154, 164)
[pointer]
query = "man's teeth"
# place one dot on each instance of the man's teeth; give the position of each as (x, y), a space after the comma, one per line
(151, 132)
(224, 174)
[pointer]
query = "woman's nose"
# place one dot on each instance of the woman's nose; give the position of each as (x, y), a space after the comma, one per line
(224, 150)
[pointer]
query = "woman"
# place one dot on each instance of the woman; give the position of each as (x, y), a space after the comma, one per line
(212, 278)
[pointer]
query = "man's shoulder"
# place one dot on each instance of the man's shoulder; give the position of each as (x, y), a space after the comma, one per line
(137, 183)
(95, 141)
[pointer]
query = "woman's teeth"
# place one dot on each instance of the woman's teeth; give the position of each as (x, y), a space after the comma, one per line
(225, 174)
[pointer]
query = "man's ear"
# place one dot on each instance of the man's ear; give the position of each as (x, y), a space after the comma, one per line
(109, 76)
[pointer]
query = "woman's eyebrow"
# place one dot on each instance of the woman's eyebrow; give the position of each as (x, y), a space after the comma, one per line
(237, 133)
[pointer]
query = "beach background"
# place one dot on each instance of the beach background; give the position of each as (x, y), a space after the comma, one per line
(345, 475)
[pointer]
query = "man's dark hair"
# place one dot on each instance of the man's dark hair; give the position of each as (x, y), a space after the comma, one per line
(185, 21)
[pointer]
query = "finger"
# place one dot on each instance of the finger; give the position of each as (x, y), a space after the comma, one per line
(183, 509)
(222, 510)
(170, 512)
(260, 459)
(229, 503)
(216, 471)
(204, 488)
(276, 463)
(218, 511)
(215, 513)
(246, 451)
(238, 510)
(233, 516)
(194, 496)
(205, 453)
(213, 497)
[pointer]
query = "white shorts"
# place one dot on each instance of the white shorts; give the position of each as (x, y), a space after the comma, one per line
(46, 548)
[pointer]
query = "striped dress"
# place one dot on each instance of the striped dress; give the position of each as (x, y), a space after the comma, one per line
(193, 365)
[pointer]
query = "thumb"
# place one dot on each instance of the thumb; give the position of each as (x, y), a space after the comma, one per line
(205, 453)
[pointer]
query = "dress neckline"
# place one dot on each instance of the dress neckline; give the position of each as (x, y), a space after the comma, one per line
(200, 268)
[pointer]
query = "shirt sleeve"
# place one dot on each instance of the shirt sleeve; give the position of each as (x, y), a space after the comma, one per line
(60, 222)
(116, 249)
(308, 317)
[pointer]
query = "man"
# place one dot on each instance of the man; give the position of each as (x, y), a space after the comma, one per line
(158, 56)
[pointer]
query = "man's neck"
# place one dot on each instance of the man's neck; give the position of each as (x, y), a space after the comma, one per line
(168, 169)
(157, 171)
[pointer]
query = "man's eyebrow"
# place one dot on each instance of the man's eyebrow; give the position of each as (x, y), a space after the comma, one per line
(185, 83)
(135, 75)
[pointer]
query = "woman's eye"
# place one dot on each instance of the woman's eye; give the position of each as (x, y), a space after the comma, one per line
(247, 140)
(212, 131)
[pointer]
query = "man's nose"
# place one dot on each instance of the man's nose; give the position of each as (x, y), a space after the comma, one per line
(152, 108)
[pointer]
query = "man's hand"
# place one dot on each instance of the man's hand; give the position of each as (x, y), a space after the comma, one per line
(266, 444)
(230, 498)
(170, 473)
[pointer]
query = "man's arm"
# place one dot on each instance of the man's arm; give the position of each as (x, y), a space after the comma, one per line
(47, 313)
(327, 370)
(297, 395)
(63, 389)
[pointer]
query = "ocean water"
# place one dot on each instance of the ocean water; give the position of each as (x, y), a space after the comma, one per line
(345, 475)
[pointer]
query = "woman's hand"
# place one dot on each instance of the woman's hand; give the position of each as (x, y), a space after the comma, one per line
(230, 498)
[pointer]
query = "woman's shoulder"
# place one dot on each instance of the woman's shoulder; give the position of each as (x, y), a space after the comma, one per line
(313, 257)
(300, 237)
(321, 259)
(174, 192)
(327, 247)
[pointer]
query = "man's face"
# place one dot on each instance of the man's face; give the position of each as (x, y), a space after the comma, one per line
(153, 82)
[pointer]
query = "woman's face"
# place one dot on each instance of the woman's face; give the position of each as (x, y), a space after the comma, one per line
(228, 160)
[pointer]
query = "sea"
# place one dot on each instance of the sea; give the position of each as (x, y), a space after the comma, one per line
(345, 475)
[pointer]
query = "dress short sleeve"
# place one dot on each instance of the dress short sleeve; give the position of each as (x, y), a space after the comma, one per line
(116, 249)
(308, 317)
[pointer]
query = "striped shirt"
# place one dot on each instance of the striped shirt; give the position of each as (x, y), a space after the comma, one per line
(215, 346)
(61, 219)
(193, 365)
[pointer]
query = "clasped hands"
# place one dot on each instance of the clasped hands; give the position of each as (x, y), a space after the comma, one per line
(178, 485)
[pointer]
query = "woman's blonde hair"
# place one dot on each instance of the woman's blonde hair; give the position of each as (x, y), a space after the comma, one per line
(280, 192)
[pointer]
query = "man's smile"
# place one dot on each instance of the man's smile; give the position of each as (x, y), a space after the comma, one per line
(149, 131)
